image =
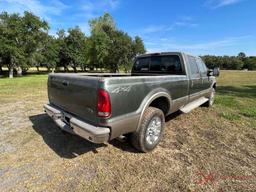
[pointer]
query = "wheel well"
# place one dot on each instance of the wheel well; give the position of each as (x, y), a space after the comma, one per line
(161, 103)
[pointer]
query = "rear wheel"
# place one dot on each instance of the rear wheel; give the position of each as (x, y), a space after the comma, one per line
(150, 132)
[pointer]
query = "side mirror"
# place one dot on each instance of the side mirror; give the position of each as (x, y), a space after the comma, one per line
(210, 72)
(216, 72)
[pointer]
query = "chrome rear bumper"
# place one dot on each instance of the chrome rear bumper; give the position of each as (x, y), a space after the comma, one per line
(76, 126)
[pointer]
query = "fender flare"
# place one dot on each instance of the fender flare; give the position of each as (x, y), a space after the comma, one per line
(145, 104)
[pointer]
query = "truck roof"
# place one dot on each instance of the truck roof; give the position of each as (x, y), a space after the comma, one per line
(164, 53)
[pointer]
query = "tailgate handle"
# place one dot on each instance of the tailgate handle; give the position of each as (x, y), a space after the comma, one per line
(65, 83)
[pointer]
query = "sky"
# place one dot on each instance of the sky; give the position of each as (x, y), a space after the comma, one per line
(216, 27)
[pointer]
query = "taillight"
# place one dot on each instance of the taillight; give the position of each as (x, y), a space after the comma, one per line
(104, 105)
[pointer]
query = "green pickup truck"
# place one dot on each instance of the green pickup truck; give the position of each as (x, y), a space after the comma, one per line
(102, 107)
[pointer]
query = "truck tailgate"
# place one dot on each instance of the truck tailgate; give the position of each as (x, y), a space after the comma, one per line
(75, 94)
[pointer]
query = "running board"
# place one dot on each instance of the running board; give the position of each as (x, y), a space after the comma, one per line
(194, 104)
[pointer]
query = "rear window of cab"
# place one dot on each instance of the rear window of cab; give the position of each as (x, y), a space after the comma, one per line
(164, 64)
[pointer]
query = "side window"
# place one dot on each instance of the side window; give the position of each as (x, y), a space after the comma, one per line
(170, 64)
(194, 71)
(141, 65)
(202, 67)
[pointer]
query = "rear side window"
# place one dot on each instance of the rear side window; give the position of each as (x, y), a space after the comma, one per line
(141, 65)
(169, 64)
(194, 71)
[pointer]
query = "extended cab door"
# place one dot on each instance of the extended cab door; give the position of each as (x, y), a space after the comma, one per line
(195, 82)
(206, 83)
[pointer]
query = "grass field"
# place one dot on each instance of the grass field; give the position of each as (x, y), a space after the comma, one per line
(209, 149)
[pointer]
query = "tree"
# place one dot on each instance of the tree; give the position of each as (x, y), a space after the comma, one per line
(1, 64)
(98, 49)
(50, 53)
(100, 42)
(36, 59)
(235, 63)
(99, 23)
(75, 48)
(211, 61)
(138, 46)
(33, 35)
(20, 39)
(224, 62)
(121, 51)
(63, 60)
(241, 55)
(250, 63)
(111, 48)
(13, 54)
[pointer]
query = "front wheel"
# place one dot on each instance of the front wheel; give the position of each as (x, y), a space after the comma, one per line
(150, 132)
(211, 98)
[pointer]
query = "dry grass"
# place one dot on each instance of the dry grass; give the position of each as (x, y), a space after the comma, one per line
(205, 150)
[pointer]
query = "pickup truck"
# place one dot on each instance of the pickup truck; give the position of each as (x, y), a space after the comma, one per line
(101, 107)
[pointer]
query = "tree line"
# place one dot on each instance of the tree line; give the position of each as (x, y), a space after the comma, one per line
(25, 43)
(241, 61)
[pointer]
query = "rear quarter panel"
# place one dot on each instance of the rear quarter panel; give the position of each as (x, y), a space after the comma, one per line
(130, 94)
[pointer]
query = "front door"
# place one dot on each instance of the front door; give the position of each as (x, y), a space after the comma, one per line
(195, 84)
(206, 83)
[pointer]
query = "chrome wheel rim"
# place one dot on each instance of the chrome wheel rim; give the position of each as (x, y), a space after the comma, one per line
(153, 130)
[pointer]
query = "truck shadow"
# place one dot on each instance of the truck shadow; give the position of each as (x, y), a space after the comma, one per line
(64, 144)
(70, 146)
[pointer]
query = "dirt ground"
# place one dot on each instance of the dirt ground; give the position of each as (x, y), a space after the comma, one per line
(209, 149)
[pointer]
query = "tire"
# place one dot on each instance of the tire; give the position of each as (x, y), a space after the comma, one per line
(211, 98)
(64, 132)
(151, 130)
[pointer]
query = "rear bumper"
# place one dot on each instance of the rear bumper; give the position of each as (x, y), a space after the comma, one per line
(76, 126)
